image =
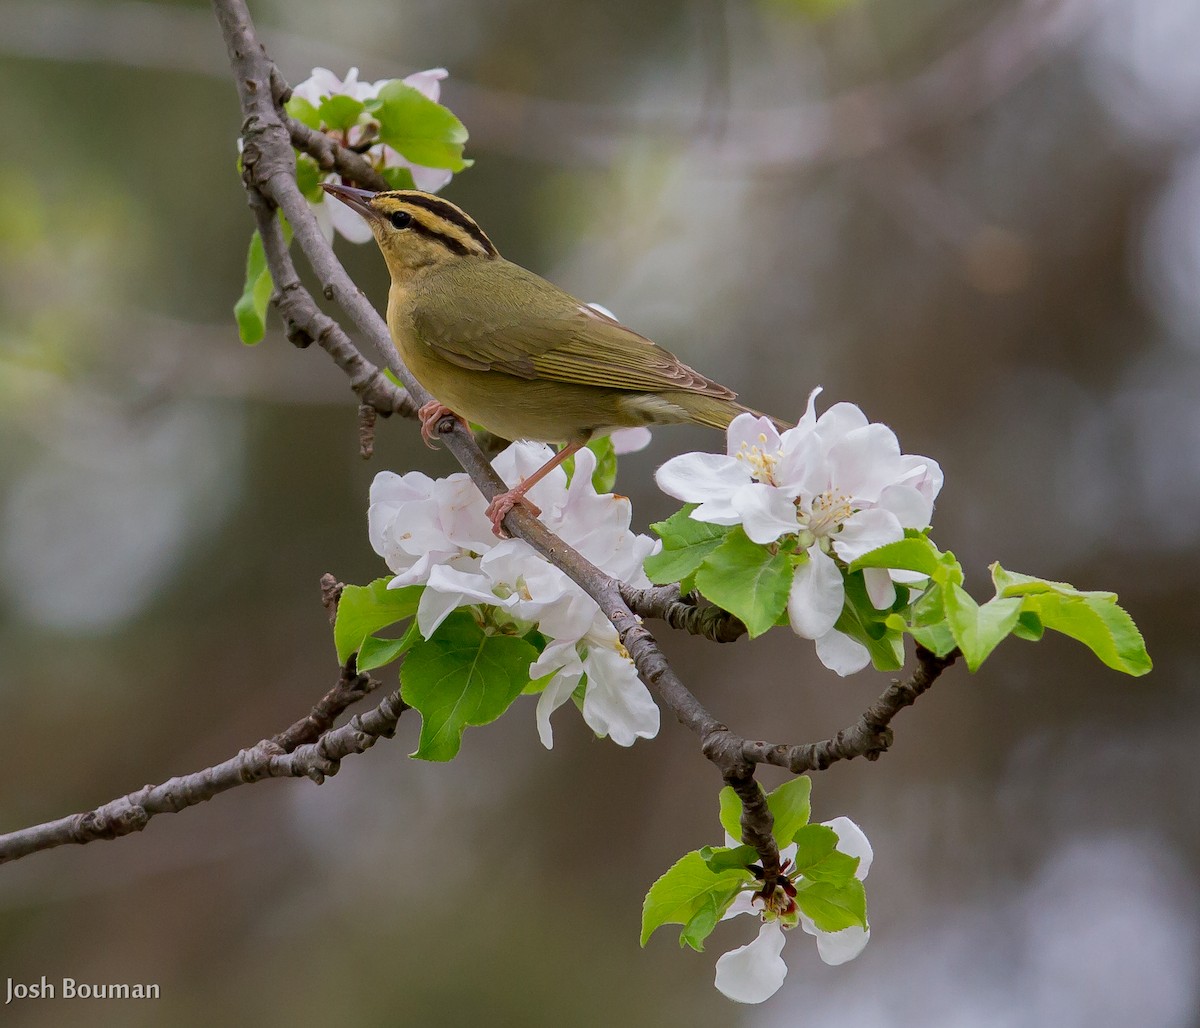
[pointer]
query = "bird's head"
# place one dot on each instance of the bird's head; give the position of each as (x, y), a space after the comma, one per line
(414, 229)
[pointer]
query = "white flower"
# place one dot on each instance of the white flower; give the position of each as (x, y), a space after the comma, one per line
(754, 972)
(837, 484)
(335, 216)
(436, 534)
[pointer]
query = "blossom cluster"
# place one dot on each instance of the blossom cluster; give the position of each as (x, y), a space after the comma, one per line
(323, 84)
(435, 533)
(836, 485)
(754, 972)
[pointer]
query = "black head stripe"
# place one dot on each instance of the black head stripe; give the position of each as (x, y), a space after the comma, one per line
(449, 242)
(448, 212)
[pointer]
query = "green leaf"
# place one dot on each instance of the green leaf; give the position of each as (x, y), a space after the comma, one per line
(365, 609)
(861, 621)
(605, 475)
(309, 178)
(424, 132)
(340, 111)
(834, 906)
(1029, 626)
(251, 309)
(460, 677)
(1097, 622)
(747, 580)
(303, 111)
(819, 860)
(691, 895)
(398, 177)
(790, 807)
(937, 639)
(375, 652)
(1013, 583)
(686, 542)
(978, 629)
(730, 812)
(728, 858)
(913, 554)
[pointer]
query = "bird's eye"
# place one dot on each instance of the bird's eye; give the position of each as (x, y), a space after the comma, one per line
(400, 219)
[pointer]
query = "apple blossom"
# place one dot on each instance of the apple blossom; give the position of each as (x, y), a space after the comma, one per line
(836, 484)
(436, 534)
(322, 84)
(754, 972)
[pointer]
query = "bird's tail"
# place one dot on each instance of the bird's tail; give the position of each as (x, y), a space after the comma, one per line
(717, 412)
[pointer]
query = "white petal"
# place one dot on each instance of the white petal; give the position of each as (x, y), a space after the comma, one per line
(702, 477)
(556, 693)
(449, 589)
(865, 461)
(840, 420)
(880, 590)
(922, 473)
(430, 180)
(865, 531)
(912, 508)
(753, 973)
(809, 418)
(841, 654)
(616, 703)
(816, 597)
(427, 82)
(630, 440)
(767, 512)
(751, 431)
(837, 947)
(853, 841)
(323, 213)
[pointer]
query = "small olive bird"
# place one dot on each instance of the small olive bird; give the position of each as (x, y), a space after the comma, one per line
(502, 347)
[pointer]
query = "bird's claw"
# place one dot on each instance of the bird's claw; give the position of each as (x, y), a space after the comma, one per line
(502, 503)
(431, 414)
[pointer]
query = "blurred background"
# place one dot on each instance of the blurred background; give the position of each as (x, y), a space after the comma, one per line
(978, 219)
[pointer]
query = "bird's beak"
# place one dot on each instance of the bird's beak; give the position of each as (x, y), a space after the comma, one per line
(356, 199)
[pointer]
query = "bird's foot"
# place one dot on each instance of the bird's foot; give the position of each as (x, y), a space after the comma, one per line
(430, 414)
(502, 503)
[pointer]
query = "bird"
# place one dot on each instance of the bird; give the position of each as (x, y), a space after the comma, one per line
(502, 347)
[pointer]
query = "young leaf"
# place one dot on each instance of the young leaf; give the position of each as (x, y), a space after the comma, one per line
(304, 112)
(375, 652)
(398, 177)
(915, 553)
(686, 543)
(340, 111)
(1097, 622)
(819, 860)
(365, 609)
(834, 906)
(978, 630)
(790, 807)
(251, 309)
(605, 475)
(309, 178)
(1029, 626)
(461, 676)
(1013, 583)
(863, 622)
(424, 132)
(728, 858)
(747, 580)
(691, 895)
(937, 639)
(730, 812)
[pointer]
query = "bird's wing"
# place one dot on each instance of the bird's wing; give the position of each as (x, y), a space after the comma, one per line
(573, 343)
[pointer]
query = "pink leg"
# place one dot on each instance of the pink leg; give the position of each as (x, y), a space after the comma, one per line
(430, 414)
(502, 503)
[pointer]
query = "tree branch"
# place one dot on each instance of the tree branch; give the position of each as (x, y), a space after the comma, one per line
(268, 759)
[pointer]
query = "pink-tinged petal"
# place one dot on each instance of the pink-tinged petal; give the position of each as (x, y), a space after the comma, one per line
(913, 509)
(349, 224)
(802, 469)
(922, 473)
(630, 440)
(808, 420)
(754, 972)
(428, 82)
(816, 597)
(840, 420)
(880, 590)
(520, 461)
(709, 478)
(748, 431)
(837, 947)
(323, 214)
(865, 531)
(767, 513)
(853, 841)
(864, 462)
(841, 654)
(430, 180)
